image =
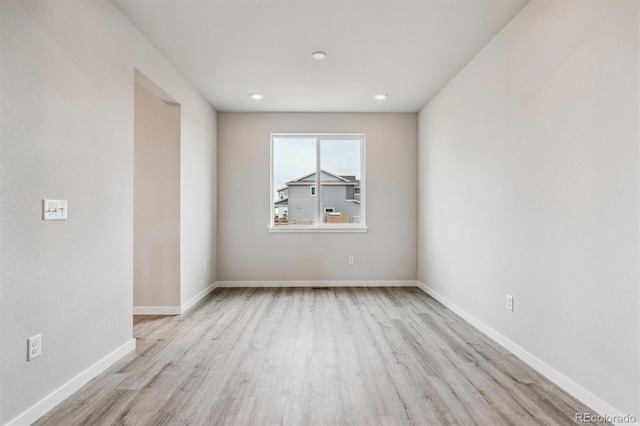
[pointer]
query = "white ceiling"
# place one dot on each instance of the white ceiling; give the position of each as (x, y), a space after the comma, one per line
(407, 48)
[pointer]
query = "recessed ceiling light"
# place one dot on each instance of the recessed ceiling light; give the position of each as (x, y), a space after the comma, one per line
(318, 55)
(256, 96)
(380, 96)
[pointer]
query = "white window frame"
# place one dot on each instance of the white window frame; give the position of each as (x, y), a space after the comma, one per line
(320, 226)
(312, 191)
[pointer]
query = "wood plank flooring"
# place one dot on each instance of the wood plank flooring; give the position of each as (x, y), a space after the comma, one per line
(302, 356)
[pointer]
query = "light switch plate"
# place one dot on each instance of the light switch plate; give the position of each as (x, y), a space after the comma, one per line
(54, 209)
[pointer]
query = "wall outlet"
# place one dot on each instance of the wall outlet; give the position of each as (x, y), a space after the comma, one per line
(352, 260)
(204, 266)
(34, 347)
(509, 302)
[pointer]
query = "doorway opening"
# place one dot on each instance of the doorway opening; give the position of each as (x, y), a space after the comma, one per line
(156, 200)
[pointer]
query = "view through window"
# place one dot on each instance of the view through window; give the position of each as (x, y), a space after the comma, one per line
(317, 181)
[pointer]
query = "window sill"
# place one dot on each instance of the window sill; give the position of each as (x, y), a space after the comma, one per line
(293, 228)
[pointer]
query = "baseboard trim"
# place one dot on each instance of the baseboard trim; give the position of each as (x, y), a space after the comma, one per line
(320, 283)
(174, 310)
(157, 310)
(195, 299)
(585, 396)
(41, 408)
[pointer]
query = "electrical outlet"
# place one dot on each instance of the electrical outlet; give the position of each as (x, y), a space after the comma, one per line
(509, 302)
(34, 347)
(204, 266)
(352, 260)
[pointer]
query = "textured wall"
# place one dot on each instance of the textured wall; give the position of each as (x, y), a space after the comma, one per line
(247, 251)
(156, 221)
(528, 182)
(66, 95)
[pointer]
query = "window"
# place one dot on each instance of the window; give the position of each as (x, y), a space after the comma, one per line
(322, 177)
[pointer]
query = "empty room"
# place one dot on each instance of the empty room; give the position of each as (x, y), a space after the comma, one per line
(319, 212)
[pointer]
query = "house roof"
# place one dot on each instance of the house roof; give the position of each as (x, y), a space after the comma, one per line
(282, 202)
(340, 178)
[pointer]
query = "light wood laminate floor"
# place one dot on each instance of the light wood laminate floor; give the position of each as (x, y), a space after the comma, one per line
(302, 356)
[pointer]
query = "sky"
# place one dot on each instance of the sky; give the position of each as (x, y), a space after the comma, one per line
(296, 157)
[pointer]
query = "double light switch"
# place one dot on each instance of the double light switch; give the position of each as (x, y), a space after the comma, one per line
(54, 209)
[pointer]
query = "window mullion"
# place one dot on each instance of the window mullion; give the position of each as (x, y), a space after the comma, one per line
(318, 180)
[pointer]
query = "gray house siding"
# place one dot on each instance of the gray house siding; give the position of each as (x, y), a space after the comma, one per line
(301, 204)
(336, 192)
(350, 192)
(336, 196)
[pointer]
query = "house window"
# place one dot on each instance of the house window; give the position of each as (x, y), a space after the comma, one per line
(324, 180)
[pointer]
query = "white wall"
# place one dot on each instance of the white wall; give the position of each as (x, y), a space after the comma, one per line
(156, 205)
(66, 99)
(248, 252)
(198, 198)
(528, 185)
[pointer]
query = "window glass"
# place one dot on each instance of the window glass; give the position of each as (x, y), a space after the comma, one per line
(317, 181)
(340, 165)
(294, 164)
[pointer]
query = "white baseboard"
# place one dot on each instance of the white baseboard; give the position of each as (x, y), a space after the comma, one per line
(63, 392)
(157, 310)
(195, 299)
(587, 397)
(328, 283)
(174, 310)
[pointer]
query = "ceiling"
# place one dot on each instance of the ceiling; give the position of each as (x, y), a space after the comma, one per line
(409, 49)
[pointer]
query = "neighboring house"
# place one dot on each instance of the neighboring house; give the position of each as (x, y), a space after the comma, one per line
(283, 193)
(339, 197)
(282, 209)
